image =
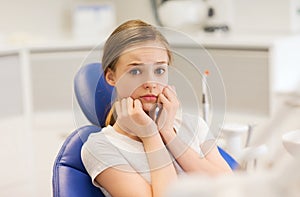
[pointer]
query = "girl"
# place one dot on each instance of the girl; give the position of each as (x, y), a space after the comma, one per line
(136, 155)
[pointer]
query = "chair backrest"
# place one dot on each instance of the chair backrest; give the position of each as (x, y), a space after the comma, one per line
(70, 179)
(94, 95)
(234, 165)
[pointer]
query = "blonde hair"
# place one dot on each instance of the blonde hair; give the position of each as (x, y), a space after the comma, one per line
(128, 34)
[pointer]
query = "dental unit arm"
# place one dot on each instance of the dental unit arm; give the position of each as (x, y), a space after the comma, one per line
(233, 133)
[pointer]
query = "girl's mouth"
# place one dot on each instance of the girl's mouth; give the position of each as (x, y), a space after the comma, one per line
(149, 98)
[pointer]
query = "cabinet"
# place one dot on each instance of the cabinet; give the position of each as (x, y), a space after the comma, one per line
(40, 79)
(246, 75)
(52, 78)
(247, 80)
(10, 84)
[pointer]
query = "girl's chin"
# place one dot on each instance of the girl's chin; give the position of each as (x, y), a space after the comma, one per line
(148, 106)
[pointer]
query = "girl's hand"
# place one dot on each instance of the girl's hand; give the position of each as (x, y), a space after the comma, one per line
(170, 104)
(133, 119)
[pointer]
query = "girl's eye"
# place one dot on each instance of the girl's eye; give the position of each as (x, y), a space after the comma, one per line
(160, 71)
(135, 72)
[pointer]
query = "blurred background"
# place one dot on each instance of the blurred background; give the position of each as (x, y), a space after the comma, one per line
(254, 43)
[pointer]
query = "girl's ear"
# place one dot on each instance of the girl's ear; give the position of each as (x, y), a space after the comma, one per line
(110, 77)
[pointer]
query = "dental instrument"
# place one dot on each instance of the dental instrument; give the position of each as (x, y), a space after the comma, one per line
(205, 103)
(155, 112)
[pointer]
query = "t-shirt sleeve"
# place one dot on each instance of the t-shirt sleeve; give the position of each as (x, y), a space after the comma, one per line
(204, 133)
(193, 131)
(98, 154)
(206, 139)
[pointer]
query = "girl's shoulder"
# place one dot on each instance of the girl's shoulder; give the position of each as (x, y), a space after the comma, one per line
(189, 120)
(99, 137)
(191, 127)
(109, 138)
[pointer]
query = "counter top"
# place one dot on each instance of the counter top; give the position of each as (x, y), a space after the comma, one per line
(258, 42)
(263, 41)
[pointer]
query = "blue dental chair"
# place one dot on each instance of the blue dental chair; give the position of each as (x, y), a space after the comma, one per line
(93, 94)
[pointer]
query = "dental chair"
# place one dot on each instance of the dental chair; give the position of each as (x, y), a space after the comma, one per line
(93, 94)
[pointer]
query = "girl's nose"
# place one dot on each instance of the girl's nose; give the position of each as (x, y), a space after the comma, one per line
(149, 81)
(150, 85)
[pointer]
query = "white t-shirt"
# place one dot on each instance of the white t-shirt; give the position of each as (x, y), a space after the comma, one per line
(108, 148)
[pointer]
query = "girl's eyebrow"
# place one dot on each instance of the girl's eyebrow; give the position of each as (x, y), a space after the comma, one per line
(142, 64)
(161, 62)
(136, 64)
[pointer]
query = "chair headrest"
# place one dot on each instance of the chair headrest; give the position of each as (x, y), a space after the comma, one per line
(93, 93)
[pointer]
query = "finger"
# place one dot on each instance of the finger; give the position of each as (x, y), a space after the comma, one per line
(118, 107)
(129, 103)
(169, 93)
(124, 106)
(137, 104)
(162, 99)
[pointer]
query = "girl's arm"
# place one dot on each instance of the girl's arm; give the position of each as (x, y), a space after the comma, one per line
(160, 163)
(211, 163)
(124, 181)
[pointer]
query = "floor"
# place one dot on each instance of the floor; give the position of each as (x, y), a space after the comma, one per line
(28, 152)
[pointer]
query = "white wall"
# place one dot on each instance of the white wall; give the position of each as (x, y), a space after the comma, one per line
(34, 17)
(266, 16)
(133, 9)
(24, 19)
(20, 19)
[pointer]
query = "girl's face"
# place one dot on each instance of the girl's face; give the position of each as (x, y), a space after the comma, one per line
(141, 73)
